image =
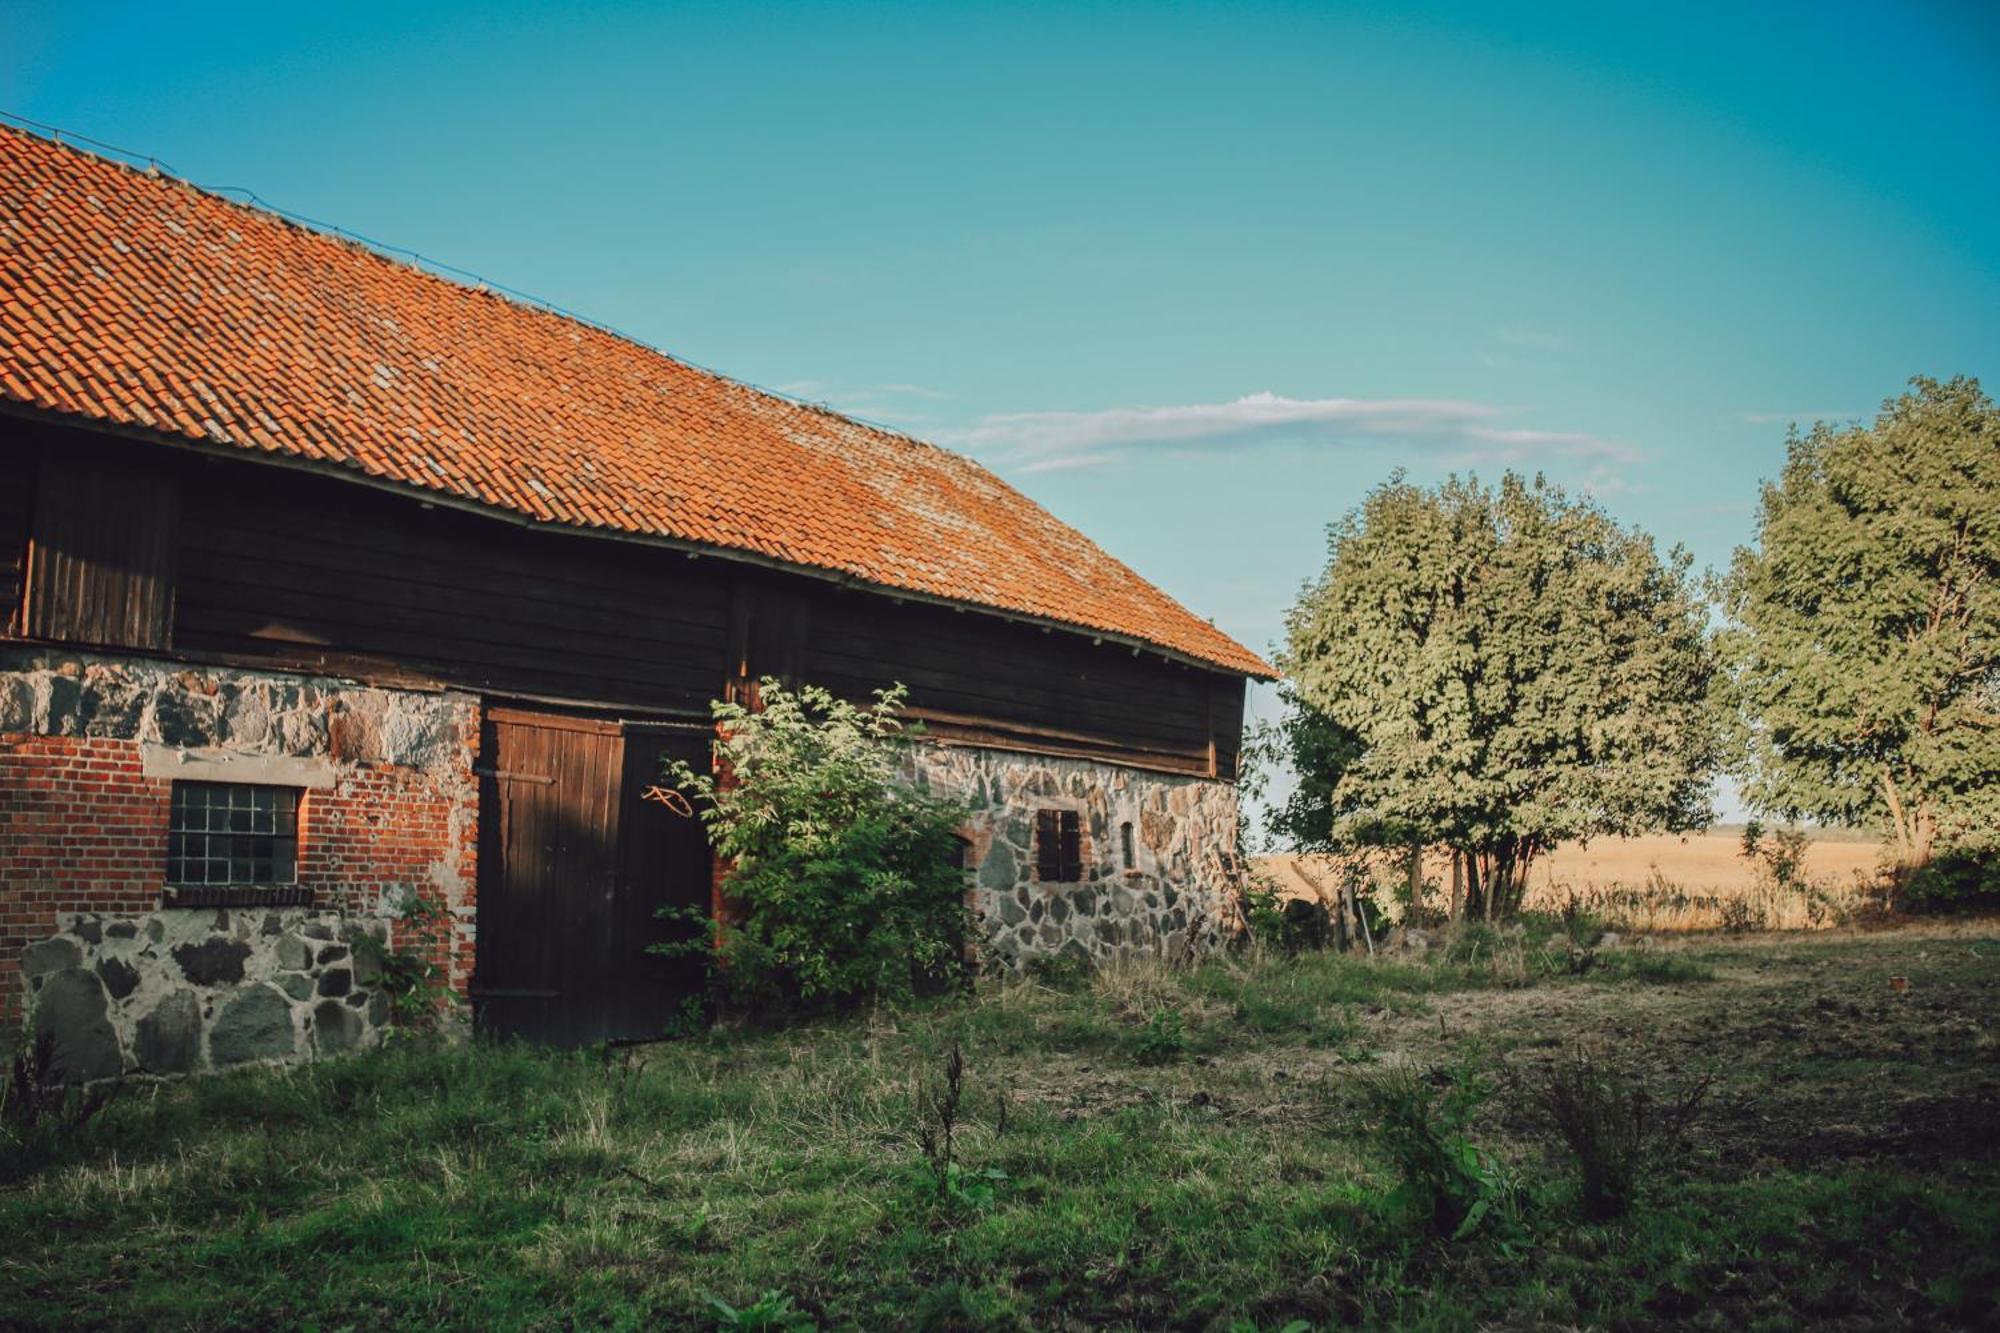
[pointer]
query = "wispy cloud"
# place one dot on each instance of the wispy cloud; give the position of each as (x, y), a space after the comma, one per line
(1455, 430)
(886, 404)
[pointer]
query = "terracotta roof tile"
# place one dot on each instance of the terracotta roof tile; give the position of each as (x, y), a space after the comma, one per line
(135, 298)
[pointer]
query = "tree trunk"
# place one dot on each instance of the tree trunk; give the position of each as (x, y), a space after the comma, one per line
(1915, 828)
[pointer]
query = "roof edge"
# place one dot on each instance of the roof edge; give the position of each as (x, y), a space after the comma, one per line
(10, 407)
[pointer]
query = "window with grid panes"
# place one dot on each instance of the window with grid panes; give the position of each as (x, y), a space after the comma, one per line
(233, 833)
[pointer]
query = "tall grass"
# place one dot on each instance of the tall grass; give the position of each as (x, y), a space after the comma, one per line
(1660, 905)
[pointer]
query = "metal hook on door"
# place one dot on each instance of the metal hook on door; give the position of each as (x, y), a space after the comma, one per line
(671, 799)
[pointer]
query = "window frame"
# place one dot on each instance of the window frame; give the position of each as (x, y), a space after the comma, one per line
(251, 837)
(1058, 846)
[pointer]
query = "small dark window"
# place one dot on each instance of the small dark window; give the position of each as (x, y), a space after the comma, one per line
(233, 833)
(1058, 847)
(1125, 844)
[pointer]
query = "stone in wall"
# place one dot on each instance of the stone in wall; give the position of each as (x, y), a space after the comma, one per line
(184, 990)
(1177, 898)
(44, 692)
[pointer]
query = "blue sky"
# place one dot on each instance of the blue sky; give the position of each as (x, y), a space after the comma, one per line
(1195, 277)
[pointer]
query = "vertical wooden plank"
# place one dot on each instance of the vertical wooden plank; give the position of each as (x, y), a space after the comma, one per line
(17, 488)
(101, 553)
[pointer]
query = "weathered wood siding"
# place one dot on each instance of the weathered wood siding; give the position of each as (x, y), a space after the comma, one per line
(17, 497)
(101, 553)
(137, 546)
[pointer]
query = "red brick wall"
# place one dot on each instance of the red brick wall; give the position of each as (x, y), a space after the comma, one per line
(81, 830)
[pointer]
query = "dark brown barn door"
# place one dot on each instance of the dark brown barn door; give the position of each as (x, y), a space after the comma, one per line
(573, 866)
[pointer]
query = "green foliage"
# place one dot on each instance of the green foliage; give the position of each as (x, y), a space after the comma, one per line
(1263, 909)
(418, 986)
(41, 1112)
(1496, 670)
(1955, 880)
(1615, 1129)
(1863, 651)
(1449, 1184)
(483, 1185)
(1163, 1040)
(772, 1310)
(843, 882)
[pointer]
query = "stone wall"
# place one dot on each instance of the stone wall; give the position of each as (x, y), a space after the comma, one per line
(90, 745)
(173, 992)
(1177, 896)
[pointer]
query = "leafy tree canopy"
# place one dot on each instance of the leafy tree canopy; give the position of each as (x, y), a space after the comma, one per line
(1863, 653)
(1497, 670)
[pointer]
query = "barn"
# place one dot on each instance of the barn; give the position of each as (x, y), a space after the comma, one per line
(330, 586)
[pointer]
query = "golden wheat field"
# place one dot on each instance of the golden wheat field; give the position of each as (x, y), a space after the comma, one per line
(1696, 881)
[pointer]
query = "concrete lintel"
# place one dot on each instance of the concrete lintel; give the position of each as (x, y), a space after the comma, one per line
(208, 765)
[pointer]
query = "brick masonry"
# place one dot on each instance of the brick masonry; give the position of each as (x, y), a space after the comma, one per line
(83, 825)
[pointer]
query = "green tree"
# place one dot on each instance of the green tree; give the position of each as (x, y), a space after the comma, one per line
(1497, 670)
(843, 881)
(1863, 650)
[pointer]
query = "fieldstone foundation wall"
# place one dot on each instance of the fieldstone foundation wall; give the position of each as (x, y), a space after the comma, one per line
(92, 947)
(174, 992)
(1177, 896)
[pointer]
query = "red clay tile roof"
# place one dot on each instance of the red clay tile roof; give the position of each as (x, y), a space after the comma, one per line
(137, 299)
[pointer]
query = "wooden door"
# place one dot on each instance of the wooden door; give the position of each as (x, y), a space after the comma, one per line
(573, 867)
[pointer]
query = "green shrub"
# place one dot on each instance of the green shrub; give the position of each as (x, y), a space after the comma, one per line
(41, 1110)
(1449, 1184)
(1163, 1040)
(417, 985)
(1615, 1129)
(843, 880)
(1955, 880)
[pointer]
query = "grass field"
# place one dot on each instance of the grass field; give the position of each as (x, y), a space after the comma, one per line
(1201, 1149)
(1670, 882)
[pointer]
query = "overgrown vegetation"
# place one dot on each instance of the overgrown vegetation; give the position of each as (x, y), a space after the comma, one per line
(778, 1179)
(1615, 1127)
(410, 968)
(41, 1110)
(843, 878)
(1448, 1183)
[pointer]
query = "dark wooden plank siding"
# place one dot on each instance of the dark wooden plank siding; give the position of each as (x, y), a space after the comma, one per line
(979, 666)
(101, 552)
(310, 572)
(17, 493)
(306, 569)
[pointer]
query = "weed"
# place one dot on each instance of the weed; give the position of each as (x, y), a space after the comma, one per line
(1062, 971)
(1163, 1040)
(410, 975)
(938, 1105)
(1660, 969)
(1614, 1128)
(1448, 1182)
(772, 1310)
(41, 1110)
